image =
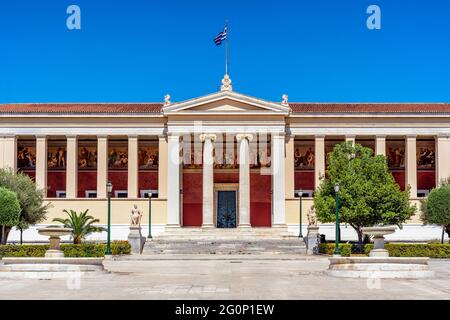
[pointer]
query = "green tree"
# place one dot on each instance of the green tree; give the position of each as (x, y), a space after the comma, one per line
(368, 192)
(9, 211)
(436, 208)
(81, 224)
(31, 199)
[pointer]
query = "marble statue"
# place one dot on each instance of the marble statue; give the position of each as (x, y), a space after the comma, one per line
(136, 216)
(311, 217)
(167, 100)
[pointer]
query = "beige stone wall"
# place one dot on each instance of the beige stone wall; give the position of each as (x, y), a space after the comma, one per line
(120, 209)
(293, 205)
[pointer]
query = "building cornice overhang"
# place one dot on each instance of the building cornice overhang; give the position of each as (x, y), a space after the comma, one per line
(370, 115)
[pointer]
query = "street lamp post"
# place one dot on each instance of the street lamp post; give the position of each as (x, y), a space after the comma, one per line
(109, 187)
(336, 249)
(149, 215)
(300, 195)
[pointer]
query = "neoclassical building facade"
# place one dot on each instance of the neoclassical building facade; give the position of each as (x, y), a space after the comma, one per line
(224, 160)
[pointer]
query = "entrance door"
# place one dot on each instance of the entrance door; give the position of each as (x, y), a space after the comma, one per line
(226, 209)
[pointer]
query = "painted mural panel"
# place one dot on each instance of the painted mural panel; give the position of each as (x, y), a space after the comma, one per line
(26, 155)
(425, 154)
(118, 156)
(395, 154)
(148, 157)
(87, 156)
(367, 143)
(329, 147)
(304, 156)
(56, 155)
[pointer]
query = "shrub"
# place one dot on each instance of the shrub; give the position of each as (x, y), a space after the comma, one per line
(328, 248)
(436, 208)
(414, 250)
(31, 198)
(9, 211)
(70, 250)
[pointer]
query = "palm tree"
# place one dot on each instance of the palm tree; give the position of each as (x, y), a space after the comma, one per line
(81, 224)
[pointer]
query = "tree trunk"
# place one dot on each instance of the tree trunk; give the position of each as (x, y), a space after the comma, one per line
(360, 240)
(4, 233)
(447, 229)
(443, 235)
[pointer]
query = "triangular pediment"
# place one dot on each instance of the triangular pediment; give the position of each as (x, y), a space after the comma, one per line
(226, 103)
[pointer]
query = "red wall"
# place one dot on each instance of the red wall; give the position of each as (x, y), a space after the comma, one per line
(260, 200)
(148, 180)
(304, 179)
(119, 179)
(31, 174)
(426, 179)
(399, 177)
(56, 180)
(192, 199)
(87, 180)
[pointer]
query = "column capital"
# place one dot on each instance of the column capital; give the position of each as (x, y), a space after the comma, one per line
(41, 136)
(319, 136)
(102, 136)
(133, 136)
(411, 136)
(71, 136)
(242, 136)
(380, 136)
(208, 136)
(173, 136)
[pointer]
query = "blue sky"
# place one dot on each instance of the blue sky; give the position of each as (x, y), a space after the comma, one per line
(139, 50)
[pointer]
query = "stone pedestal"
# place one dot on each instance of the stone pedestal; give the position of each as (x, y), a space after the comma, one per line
(312, 240)
(378, 247)
(136, 240)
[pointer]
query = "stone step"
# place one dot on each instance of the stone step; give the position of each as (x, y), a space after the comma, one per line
(278, 246)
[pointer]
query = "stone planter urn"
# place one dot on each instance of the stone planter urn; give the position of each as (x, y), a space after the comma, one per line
(378, 234)
(54, 233)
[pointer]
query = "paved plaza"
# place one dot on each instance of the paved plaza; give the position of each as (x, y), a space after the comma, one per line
(225, 277)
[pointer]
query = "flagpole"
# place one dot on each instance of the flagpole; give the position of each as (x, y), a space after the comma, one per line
(226, 54)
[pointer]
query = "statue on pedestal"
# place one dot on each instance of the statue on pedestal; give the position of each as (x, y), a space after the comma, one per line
(313, 237)
(135, 237)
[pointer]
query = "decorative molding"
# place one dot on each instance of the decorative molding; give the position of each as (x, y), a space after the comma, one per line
(210, 136)
(242, 136)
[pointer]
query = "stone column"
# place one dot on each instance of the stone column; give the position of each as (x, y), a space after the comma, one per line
(319, 170)
(41, 163)
(289, 164)
(278, 175)
(244, 179)
(442, 158)
(102, 166)
(208, 180)
(72, 167)
(380, 145)
(350, 138)
(133, 167)
(173, 181)
(10, 152)
(411, 165)
(162, 167)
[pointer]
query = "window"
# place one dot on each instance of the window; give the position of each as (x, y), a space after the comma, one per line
(421, 193)
(90, 193)
(306, 193)
(61, 193)
(121, 193)
(144, 193)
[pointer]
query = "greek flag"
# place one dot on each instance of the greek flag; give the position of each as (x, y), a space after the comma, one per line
(221, 36)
